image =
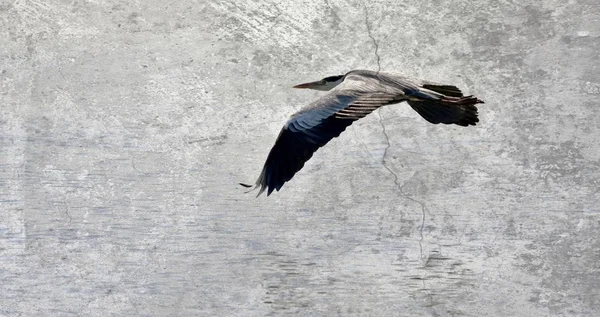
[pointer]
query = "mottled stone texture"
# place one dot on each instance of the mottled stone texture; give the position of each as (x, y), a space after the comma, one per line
(125, 127)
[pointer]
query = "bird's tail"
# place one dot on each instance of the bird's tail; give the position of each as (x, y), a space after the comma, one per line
(448, 110)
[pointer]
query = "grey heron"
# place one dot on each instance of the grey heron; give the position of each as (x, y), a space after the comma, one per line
(353, 96)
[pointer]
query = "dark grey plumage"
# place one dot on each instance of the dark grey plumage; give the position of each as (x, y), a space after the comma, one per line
(352, 97)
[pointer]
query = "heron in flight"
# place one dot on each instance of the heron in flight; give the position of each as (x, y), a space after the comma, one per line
(353, 96)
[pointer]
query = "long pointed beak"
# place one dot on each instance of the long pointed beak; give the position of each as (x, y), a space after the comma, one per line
(309, 85)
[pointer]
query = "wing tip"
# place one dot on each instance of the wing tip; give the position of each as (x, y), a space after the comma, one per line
(260, 184)
(253, 188)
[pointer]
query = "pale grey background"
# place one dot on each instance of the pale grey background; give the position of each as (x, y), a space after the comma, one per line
(126, 125)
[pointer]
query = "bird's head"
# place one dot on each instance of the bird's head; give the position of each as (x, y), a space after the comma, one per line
(324, 84)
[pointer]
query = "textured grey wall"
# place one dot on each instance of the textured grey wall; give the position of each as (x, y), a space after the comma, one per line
(126, 125)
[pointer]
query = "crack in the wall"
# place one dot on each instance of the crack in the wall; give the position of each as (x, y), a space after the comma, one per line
(430, 298)
(67, 210)
(133, 165)
(422, 204)
(375, 43)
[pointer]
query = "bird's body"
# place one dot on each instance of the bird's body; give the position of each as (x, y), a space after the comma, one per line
(353, 96)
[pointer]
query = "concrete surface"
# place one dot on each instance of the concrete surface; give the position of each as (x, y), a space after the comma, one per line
(125, 127)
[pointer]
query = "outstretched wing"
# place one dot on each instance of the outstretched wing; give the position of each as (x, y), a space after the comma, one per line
(314, 126)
